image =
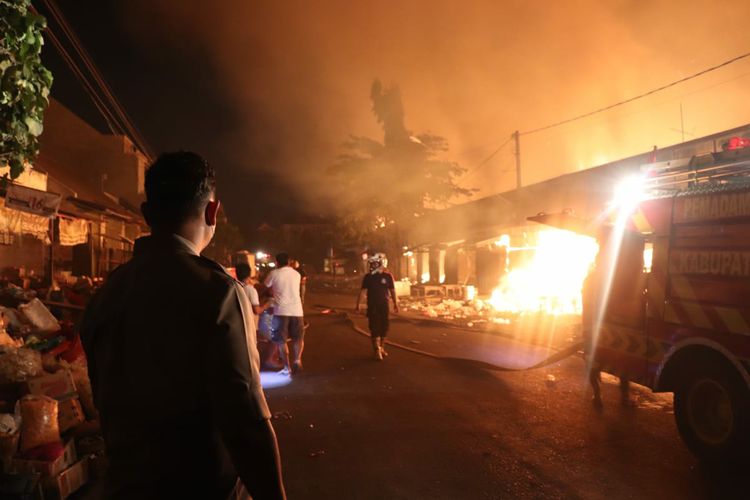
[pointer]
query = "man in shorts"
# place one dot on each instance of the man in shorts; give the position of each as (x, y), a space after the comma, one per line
(379, 285)
(284, 283)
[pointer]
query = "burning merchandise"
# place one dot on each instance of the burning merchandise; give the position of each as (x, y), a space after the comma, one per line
(551, 280)
(541, 278)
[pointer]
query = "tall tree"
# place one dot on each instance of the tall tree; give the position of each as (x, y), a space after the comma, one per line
(389, 183)
(24, 84)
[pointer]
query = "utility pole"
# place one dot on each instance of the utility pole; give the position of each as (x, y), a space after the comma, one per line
(517, 138)
(682, 123)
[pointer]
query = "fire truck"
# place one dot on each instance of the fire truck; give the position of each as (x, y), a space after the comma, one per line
(675, 314)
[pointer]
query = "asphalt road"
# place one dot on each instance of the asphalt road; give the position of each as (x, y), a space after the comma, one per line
(421, 427)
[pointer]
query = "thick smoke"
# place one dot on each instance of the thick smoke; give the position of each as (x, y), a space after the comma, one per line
(298, 74)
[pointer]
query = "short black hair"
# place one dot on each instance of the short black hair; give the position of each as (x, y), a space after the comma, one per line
(242, 270)
(282, 259)
(178, 185)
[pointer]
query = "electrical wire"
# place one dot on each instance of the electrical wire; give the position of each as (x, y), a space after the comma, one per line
(125, 119)
(119, 111)
(484, 162)
(473, 171)
(640, 96)
(109, 107)
(110, 120)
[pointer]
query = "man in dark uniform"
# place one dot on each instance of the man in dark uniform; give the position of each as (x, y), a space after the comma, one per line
(170, 341)
(593, 313)
(378, 284)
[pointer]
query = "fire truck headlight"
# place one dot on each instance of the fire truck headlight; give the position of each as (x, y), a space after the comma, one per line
(628, 193)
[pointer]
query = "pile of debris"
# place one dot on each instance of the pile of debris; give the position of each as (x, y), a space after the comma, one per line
(50, 443)
(474, 313)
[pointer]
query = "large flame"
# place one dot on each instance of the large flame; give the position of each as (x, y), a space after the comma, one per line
(551, 282)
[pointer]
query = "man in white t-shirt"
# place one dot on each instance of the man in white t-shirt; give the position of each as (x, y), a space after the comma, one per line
(284, 283)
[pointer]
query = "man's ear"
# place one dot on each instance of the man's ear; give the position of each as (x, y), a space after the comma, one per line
(212, 212)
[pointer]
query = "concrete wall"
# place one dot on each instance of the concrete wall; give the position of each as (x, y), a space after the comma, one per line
(108, 162)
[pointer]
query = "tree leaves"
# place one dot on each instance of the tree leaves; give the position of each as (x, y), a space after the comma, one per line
(24, 84)
(380, 184)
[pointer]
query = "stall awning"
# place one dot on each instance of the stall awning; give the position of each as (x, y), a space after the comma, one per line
(15, 222)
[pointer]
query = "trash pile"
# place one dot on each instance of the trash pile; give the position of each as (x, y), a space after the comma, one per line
(468, 313)
(50, 443)
(478, 314)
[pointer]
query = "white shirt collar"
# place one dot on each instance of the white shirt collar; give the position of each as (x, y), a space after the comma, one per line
(187, 243)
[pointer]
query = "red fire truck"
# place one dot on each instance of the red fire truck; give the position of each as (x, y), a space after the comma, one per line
(677, 315)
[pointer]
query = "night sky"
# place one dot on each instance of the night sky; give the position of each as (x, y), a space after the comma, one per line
(268, 91)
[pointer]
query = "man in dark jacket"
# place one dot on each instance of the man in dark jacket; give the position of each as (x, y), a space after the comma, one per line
(170, 341)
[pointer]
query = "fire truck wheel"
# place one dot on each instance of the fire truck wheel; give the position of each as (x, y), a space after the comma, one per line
(712, 410)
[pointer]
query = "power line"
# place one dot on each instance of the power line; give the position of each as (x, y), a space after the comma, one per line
(110, 120)
(663, 87)
(117, 120)
(487, 159)
(125, 119)
(601, 110)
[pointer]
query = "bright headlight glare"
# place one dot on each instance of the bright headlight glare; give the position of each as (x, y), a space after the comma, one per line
(629, 192)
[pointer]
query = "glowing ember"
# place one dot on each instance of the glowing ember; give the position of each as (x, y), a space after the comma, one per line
(552, 281)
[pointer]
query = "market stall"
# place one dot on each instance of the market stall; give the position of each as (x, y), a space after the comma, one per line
(50, 444)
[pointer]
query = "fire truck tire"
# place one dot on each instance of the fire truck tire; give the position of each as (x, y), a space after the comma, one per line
(712, 411)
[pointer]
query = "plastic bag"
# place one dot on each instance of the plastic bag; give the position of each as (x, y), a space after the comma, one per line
(265, 324)
(9, 423)
(39, 316)
(38, 422)
(83, 386)
(19, 365)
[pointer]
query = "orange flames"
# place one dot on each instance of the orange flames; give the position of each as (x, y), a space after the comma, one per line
(551, 282)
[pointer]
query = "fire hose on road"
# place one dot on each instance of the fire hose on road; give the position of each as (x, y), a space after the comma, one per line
(548, 359)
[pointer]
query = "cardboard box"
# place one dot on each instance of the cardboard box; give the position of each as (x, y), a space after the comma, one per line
(46, 469)
(403, 288)
(88, 445)
(58, 385)
(69, 414)
(68, 481)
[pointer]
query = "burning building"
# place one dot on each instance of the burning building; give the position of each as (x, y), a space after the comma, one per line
(516, 265)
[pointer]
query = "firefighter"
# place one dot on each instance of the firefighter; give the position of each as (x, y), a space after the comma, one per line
(592, 315)
(379, 285)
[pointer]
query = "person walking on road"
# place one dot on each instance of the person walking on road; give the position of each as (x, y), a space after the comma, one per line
(288, 320)
(268, 350)
(170, 343)
(379, 286)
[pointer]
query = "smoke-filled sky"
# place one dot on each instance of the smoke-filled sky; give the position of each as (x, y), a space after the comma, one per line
(270, 90)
